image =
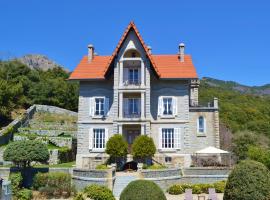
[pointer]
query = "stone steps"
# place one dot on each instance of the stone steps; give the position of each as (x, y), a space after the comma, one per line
(121, 182)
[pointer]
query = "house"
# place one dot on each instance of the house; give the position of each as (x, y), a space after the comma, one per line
(135, 92)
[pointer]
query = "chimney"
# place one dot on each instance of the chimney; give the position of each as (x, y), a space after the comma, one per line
(91, 52)
(182, 52)
(149, 49)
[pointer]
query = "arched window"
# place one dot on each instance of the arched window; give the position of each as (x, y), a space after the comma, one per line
(201, 124)
(132, 53)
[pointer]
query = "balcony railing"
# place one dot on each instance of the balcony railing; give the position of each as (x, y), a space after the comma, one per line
(132, 115)
(132, 82)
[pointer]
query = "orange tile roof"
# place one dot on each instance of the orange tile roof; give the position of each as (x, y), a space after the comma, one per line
(165, 66)
(169, 66)
(90, 70)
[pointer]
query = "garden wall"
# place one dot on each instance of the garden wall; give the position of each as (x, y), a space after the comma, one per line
(163, 177)
(204, 174)
(83, 177)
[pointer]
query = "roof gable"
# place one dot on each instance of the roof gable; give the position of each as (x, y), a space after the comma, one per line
(130, 27)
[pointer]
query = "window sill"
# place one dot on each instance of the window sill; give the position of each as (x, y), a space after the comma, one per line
(97, 150)
(98, 116)
(201, 135)
(168, 150)
(167, 117)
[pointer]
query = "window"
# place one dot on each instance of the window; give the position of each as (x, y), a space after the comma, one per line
(201, 124)
(168, 159)
(133, 106)
(99, 106)
(167, 138)
(167, 106)
(133, 76)
(98, 138)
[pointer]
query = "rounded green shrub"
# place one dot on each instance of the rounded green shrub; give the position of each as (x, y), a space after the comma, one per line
(176, 189)
(24, 194)
(143, 147)
(16, 182)
(117, 146)
(97, 192)
(220, 186)
(142, 190)
(249, 180)
(23, 152)
(196, 189)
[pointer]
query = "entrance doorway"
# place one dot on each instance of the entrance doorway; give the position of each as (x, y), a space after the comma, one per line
(130, 134)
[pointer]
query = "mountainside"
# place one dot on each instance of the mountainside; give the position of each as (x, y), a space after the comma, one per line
(36, 61)
(231, 85)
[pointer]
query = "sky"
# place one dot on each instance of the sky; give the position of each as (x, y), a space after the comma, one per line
(228, 40)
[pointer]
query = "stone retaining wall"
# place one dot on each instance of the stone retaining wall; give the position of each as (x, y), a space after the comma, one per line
(163, 177)
(83, 177)
(54, 109)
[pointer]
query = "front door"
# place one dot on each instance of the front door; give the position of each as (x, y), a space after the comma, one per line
(131, 135)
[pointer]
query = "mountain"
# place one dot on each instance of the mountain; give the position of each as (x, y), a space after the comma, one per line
(36, 61)
(231, 85)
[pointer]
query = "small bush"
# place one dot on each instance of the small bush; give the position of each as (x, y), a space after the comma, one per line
(176, 189)
(142, 190)
(220, 186)
(143, 147)
(101, 167)
(24, 194)
(249, 180)
(53, 182)
(117, 146)
(97, 192)
(79, 196)
(196, 189)
(156, 166)
(65, 155)
(16, 182)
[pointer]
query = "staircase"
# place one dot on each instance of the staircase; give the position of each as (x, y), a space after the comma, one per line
(121, 181)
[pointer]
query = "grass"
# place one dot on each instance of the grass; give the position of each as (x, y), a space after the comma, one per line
(154, 167)
(52, 117)
(66, 165)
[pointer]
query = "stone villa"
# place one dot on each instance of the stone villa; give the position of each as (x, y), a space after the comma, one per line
(135, 92)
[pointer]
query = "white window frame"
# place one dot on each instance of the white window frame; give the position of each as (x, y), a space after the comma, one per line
(199, 132)
(98, 145)
(99, 112)
(92, 106)
(133, 104)
(173, 142)
(173, 107)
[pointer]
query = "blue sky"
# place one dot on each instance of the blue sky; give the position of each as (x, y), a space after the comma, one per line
(228, 40)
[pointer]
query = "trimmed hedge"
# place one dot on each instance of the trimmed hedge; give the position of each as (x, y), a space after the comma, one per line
(249, 180)
(143, 147)
(97, 192)
(65, 155)
(196, 188)
(142, 190)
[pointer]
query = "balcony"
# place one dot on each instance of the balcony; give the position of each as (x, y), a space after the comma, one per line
(132, 83)
(132, 115)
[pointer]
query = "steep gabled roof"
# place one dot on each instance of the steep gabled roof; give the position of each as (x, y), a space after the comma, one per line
(165, 66)
(130, 27)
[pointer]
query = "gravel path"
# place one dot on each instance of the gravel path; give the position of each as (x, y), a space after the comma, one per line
(195, 196)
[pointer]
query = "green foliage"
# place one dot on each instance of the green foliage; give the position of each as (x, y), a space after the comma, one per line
(196, 188)
(117, 146)
(143, 147)
(21, 87)
(97, 192)
(22, 153)
(142, 190)
(241, 143)
(259, 154)
(249, 180)
(65, 155)
(16, 182)
(101, 167)
(24, 194)
(49, 183)
(79, 196)
(238, 111)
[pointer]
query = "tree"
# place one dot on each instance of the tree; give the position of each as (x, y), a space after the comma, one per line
(117, 146)
(22, 153)
(142, 190)
(143, 147)
(249, 180)
(259, 154)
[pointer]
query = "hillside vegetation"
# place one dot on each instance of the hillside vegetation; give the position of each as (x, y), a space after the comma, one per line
(21, 87)
(238, 110)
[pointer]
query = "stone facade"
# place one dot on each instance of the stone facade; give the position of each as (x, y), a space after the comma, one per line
(149, 90)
